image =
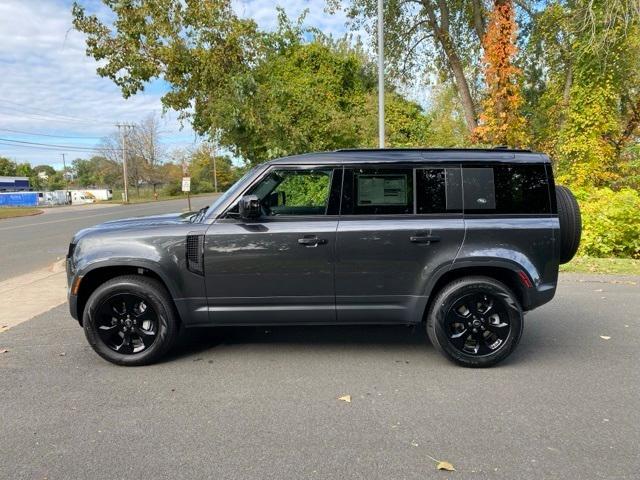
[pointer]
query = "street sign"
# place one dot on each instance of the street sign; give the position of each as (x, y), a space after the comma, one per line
(186, 184)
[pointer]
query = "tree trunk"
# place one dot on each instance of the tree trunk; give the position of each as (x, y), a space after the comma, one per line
(463, 90)
(441, 32)
(478, 20)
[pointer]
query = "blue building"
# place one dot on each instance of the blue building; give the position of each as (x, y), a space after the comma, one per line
(14, 184)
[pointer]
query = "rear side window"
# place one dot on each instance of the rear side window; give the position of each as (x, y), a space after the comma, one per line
(506, 189)
(438, 190)
(377, 191)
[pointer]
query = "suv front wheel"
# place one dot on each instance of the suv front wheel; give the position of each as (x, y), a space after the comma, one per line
(475, 321)
(130, 320)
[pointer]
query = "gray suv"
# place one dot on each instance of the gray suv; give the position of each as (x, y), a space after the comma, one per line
(462, 241)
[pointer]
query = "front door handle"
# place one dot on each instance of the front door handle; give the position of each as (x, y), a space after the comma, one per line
(424, 239)
(311, 241)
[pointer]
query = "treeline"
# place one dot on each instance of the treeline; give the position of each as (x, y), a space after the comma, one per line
(562, 77)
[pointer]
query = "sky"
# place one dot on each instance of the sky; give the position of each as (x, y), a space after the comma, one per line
(50, 92)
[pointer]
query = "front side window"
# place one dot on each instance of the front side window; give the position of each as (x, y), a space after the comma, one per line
(377, 191)
(294, 192)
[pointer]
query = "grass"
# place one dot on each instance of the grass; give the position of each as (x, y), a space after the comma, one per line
(609, 266)
(13, 212)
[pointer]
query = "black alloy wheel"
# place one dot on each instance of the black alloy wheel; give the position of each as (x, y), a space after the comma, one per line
(475, 321)
(131, 320)
(126, 323)
(478, 324)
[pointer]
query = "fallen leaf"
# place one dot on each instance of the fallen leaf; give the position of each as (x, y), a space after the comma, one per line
(605, 337)
(4, 328)
(345, 398)
(4, 350)
(442, 465)
(445, 466)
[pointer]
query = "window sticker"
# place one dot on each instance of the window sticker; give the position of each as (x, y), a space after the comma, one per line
(382, 190)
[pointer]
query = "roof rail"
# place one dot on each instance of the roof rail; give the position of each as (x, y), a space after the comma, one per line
(437, 149)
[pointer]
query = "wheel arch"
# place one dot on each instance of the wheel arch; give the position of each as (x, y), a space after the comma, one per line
(506, 273)
(101, 273)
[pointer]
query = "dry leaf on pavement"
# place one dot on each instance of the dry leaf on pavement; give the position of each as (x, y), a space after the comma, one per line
(445, 466)
(442, 465)
(345, 398)
(4, 350)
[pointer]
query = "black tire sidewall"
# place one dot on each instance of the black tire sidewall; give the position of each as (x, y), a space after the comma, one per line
(570, 221)
(436, 322)
(152, 292)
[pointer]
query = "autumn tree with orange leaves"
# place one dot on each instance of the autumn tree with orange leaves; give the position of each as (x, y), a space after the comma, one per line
(501, 121)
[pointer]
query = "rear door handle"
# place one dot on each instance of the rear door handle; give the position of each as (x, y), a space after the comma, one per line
(311, 241)
(424, 238)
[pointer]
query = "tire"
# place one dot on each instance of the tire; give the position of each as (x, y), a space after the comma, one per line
(570, 223)
(152, 323)
(505, 306)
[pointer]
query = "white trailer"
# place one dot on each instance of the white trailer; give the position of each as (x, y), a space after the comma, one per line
(79, 197)
(101, 193)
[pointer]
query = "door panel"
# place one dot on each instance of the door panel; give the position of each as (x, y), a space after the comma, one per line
(268, 272)
(279, 268)
(381, 273)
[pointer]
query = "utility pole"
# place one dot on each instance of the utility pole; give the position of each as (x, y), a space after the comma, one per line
(215, 170)
(122, 128)
(64, 175)
(380, 74)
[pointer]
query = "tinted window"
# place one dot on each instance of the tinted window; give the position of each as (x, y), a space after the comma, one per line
(377, 191)
(438, 190)
(506, 189)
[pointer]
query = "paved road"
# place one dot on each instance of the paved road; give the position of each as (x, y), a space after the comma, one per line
(257, 404)
(28, 243)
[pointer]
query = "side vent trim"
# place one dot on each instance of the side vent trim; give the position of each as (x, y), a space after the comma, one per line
(195, 253)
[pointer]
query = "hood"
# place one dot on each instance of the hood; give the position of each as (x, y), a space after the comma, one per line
(165, 219)
(136, 223)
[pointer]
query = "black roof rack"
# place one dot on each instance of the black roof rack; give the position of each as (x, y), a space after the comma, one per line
(436, 149)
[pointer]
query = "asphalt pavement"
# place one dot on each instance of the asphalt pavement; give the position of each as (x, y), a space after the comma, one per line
(257, 403)
(29, 243)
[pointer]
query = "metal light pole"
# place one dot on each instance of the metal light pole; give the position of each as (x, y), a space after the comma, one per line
(215, 173)
(380, 74)
(123, 132)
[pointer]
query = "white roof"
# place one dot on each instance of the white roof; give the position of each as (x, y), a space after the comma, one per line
(12, 179)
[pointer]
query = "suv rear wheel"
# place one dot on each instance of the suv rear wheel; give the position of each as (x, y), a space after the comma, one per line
(475, 321)
(130, 320)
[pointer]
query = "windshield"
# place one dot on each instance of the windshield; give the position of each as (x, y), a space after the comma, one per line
(233, 190)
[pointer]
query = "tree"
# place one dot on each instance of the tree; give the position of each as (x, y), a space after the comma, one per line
(423, 34)
(202, 169)
(145, 152)
(262, 94)
(501, 121)
(584, 106)
(7, 167)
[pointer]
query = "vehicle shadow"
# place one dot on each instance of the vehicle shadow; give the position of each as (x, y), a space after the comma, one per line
(198, 340)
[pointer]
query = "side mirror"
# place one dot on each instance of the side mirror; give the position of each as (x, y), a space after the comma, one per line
(249, 207)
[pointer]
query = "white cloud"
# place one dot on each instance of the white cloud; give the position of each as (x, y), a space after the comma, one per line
(48, 84)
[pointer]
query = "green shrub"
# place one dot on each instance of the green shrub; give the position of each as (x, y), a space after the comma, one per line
(610, 222)
(172, 189)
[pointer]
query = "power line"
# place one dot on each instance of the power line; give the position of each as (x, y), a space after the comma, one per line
(47, 113)
(50, 135)
(19, 143)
